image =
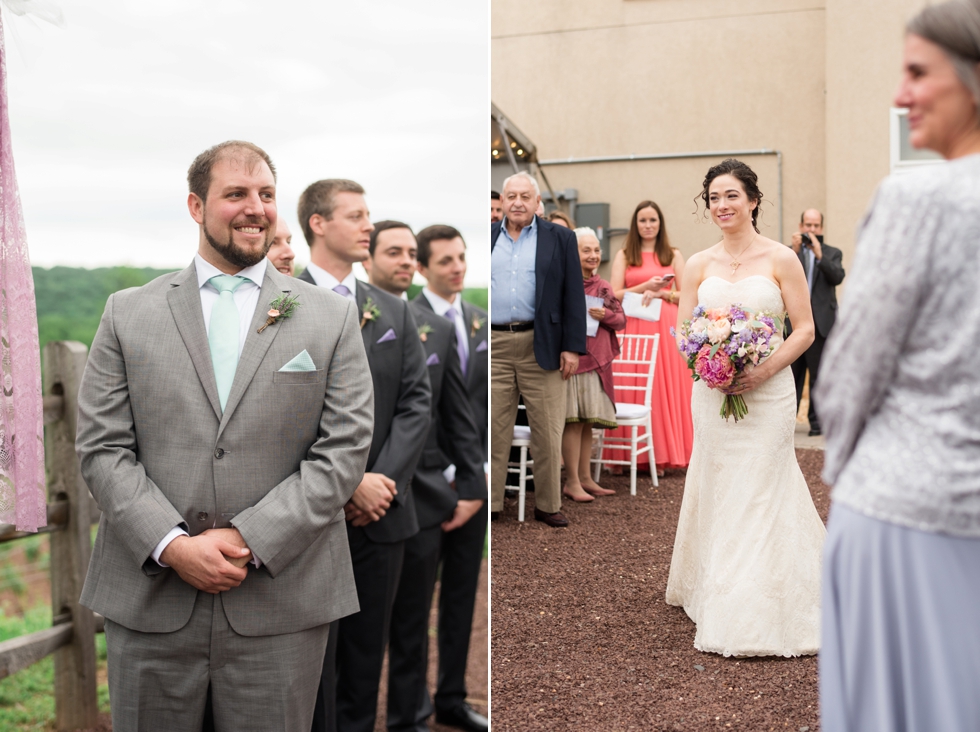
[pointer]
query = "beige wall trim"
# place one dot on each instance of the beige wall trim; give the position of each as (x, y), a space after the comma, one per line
(677, 156)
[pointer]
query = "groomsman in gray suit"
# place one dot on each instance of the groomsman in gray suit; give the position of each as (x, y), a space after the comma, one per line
(446, 497)
(381, 514)
(442, 261)
(222, 440)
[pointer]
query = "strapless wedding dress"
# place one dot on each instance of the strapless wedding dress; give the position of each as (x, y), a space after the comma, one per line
(746, 562)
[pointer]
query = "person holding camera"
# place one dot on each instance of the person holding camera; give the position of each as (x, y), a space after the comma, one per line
(824, 271)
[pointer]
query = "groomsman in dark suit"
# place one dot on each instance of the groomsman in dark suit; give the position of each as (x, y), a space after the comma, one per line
(442, 261)
(449, 486)
(824, 270)
(381, 515)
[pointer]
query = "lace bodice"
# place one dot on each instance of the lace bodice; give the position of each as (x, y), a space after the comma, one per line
(755, 291)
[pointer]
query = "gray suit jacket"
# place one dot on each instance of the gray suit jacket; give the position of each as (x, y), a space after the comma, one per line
(279, 464)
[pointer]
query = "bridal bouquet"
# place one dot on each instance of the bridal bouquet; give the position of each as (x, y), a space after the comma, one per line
(720, 343)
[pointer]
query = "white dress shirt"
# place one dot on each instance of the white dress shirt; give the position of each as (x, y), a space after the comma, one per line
(441, 307)
(246, 298)
(325, 279)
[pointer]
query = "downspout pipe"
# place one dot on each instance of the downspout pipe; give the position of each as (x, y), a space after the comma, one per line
(682, 156)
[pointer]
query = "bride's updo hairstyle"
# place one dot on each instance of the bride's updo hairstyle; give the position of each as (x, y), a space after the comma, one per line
(745, 175)
(955, 27)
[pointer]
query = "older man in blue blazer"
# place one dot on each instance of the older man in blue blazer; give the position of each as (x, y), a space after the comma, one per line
(537, 323)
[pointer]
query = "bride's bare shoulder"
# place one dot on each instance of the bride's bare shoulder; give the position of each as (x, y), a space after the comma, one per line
(778, 251)
(699, 259)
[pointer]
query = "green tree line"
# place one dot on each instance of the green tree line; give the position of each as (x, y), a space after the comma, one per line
(70, 300)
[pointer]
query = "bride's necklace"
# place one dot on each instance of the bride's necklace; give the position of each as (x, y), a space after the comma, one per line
(735, 263)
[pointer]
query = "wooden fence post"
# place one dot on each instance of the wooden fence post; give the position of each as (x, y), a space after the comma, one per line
(76, 702)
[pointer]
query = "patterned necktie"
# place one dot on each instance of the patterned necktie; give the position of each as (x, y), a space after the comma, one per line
(223, 334)
(343, 291)
(460, 345)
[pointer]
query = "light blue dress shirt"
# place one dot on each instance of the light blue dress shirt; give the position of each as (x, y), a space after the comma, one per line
(512, 278)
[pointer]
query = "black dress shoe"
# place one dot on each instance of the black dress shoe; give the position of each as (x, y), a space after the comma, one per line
(494, 515)
(815, 432)
(463, 716)
(554, 520)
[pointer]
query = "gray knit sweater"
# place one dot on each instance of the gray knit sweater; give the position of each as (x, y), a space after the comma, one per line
(899, 389)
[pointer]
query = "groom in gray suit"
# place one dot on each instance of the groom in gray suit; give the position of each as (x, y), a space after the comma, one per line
(222, 435)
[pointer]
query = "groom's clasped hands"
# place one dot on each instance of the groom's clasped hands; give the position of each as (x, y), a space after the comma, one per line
(213, 561)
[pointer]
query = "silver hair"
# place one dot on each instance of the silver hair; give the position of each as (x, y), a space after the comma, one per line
(584, 231)
(954, 26)
(522, 174)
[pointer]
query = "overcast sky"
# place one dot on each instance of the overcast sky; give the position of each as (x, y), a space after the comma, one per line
(108, 113)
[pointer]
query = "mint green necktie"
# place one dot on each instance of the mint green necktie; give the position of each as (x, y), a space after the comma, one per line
(223, 334)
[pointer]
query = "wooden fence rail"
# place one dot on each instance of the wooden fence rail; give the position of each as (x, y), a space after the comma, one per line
(71, 513)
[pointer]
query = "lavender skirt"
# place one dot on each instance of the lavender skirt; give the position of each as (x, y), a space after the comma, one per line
(900, 637)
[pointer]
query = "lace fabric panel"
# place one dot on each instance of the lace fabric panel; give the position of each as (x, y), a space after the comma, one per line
(22, 491)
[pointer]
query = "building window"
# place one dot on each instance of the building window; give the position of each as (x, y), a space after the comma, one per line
(904, 157)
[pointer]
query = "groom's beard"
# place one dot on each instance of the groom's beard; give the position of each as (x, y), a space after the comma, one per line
(237, 255)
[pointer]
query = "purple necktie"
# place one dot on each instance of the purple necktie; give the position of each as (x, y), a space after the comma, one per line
(342, 290)
(460, 345)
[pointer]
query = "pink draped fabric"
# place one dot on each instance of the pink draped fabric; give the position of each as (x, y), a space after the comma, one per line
(22, 492)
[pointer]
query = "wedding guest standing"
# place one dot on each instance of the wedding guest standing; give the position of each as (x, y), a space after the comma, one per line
(648, 265)
(590, 398)
(900, 409)
(824, 270)
(496, 209)
(381, 514)
(562, 219)
(538, 331)
(442, 261)
(445, 500)
(211, 437)
(281, 252)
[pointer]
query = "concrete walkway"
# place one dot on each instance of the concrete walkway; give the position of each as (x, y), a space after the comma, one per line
(803, 440)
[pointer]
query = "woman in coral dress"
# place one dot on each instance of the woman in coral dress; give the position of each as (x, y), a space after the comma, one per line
(648, 265)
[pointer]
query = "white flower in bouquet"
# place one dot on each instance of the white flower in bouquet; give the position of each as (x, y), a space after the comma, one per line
(739, 325)
(719, 330)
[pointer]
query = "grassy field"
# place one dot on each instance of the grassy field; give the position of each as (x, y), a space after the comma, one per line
(27, 697)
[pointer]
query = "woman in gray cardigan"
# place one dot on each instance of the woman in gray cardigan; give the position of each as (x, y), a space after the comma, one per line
(899, 401)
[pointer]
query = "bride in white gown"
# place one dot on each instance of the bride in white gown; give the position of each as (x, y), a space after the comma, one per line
(746, 562)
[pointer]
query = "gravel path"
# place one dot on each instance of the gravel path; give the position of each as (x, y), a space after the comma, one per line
(582, 639)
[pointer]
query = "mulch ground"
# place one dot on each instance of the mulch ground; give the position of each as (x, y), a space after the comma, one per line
(582, 638)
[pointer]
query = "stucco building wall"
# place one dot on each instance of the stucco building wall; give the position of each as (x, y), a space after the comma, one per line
(812, 79)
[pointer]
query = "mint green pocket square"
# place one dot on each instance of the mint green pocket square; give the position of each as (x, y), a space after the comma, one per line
(301, 362)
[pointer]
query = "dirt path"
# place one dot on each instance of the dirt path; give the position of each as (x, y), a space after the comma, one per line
(583, 639)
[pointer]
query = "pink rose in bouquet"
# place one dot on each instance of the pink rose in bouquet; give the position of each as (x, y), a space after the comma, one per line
(716, 370)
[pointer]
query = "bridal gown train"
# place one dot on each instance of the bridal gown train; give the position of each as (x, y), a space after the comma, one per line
(747, 554)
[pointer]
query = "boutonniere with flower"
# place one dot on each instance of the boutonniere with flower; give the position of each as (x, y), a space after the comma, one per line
(476, 325)
(370, 311)
(279, 309)
(424, 331)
